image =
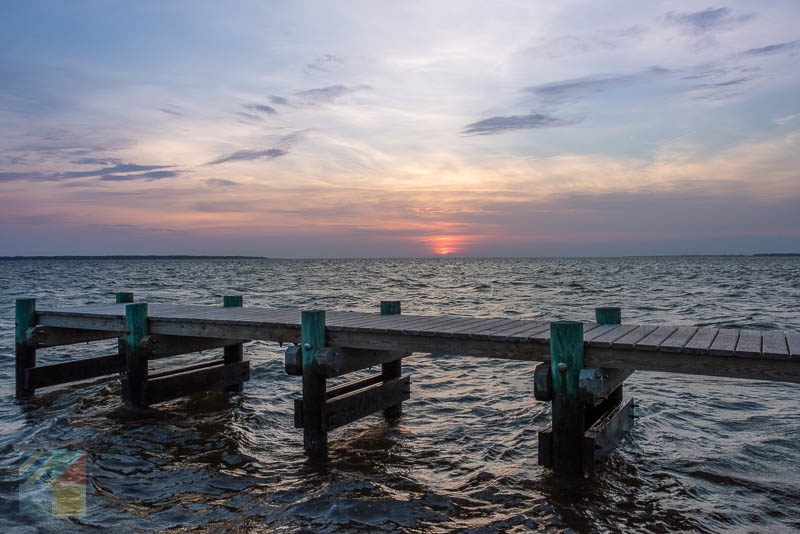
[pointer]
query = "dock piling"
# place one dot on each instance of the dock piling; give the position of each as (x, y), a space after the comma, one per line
(134, 387)
(123, 297)
(312, 339)
(393, 369)
(566, 362)
(25, 349)
(233, 353)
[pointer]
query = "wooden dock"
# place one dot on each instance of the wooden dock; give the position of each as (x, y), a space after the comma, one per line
(590, 360)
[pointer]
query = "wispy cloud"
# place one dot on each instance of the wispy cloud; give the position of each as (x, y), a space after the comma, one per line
(577, 88)
(785, 119)
(116, 172)
(148, 176)
(330, 93)
(262, 108)
(280, 149)
(790, 46)
(496, 125)
(706, 21)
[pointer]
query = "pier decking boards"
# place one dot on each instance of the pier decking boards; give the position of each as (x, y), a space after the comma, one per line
(584, 364)
(754, 354)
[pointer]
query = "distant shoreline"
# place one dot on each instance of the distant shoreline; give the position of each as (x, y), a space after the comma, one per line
(198, 257)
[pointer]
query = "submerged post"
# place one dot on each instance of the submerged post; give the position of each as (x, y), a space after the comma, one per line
(393, 369)
(566, 361)
(234, 353)
(25, 351)
(134, 390)
(312, 339)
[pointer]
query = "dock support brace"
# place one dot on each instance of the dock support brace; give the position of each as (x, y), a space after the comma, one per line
(234, 353)
(25, 349)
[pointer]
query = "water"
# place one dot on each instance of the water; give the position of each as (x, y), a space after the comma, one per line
(705, 454)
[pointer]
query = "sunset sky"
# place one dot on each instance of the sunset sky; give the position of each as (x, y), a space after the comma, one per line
(319, 129)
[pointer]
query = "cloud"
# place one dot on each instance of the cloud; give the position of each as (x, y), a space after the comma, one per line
(248, 116)
(280, 149)
(330, 93)
(577, 88)
(149, 176)
(261, 108)
(789, 46)
(246, 155)
(706, 21)
(324, 62)
(279, 100)
(496, 125)
(118, 171)
(221, 182)
(787, 118)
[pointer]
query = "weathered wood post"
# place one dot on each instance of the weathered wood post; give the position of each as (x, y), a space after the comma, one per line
(234, 353)
(123, 297)
(393, 369)
(25, 350)
(134, 386)
(566, 362)
(312, 339)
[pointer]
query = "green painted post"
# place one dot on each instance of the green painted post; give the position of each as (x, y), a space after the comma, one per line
(25, 351)
(566, 362)
(123, 297)
(608, 315)
(234, 353)
(394, 369)
(134, 391)
(312, 339)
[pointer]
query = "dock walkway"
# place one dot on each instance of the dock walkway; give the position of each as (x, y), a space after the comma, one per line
(584, 363)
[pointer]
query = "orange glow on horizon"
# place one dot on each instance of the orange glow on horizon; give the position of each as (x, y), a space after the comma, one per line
(444, 245)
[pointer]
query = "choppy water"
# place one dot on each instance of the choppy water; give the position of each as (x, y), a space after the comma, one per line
(705, 455)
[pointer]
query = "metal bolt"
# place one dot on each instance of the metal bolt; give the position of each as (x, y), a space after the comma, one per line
(562, 368)
(306, 346)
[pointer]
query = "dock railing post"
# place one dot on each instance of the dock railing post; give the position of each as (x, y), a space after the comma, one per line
(134, 390)
(25, 351)
(393, 369)
(123, 297)
(566, 362)
(312, 339)
(234, 353)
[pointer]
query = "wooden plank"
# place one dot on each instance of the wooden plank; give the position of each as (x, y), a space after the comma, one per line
(354, 386)
(701, 342)
(520, 333)
(430, 328)
(186, 369)
(337, 361)
(350, 407)
(178, 385)
(793, 341)
(725, 342)
(83, 369)
(163, 346)
(696, 364)
(51, 336)
(599, 331)
(749, 344)
(602, 437)
(654, 339)
(595, 385)
(629, 340)
(774, 345)
(678, 339)
(607, 339)
(111, 324)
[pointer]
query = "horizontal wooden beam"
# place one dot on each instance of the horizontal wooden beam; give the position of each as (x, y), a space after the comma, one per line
(350, 407)
(167, 345)
(596, 384)
(602, 437)
(63, 373)
(353, 401)
(177, 385)
(178, 370)
(338, 361)
(53, 336)
(695, 364)
(82, 322)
